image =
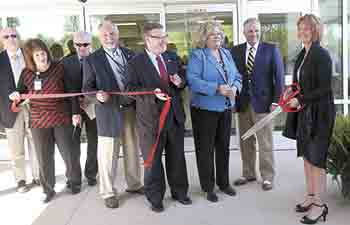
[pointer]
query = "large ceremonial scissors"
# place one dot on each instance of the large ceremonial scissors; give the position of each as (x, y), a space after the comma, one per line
(282, 106)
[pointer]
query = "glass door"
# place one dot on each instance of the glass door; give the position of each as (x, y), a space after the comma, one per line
(182, 23)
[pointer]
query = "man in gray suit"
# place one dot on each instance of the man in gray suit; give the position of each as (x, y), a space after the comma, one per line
(104, 72)
(11, 65)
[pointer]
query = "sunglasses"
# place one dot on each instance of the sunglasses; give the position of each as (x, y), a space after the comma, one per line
(10, 36)
(82, 44)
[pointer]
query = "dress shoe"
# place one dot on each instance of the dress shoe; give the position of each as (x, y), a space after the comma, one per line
(111, 202)
(229, 190)
(267, 185)
(140, 191)
(243, 180)
(212, 197)
(92, 182)
(75, 189)
(48, 197)
(22, 187)
(184, 200)
(158, 208)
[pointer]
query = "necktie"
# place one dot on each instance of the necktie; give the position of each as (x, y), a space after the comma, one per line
(250, 62)
(162, 71)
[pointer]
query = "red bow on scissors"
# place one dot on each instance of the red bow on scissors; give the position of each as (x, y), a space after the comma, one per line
(282, 106)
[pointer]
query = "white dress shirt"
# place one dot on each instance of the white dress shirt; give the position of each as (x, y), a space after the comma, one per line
(17, 64)
(154, 60)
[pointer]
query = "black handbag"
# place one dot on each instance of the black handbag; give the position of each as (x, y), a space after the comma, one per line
(290, 128)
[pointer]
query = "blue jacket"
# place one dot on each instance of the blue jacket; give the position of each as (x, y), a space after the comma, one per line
(267, 78)
(204, 75)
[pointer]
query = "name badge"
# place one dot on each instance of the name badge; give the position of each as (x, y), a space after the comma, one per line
(37, 83)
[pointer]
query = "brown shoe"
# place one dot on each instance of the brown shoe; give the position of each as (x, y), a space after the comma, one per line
(267, 185)
(111, 202)
(140, 191)
(243, 180)
(22, 187)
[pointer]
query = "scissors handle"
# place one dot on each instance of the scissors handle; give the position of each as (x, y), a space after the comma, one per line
(291, 92)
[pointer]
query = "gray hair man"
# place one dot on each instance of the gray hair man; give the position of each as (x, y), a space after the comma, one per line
(262, 72)
(104, 71)
(11, 65)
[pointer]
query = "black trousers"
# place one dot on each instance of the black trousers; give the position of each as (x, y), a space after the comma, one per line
(44, 141)
(172, 141)
(91, 167)
(211, 133)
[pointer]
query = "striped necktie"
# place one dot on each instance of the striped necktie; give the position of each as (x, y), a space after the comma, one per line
(250, 62)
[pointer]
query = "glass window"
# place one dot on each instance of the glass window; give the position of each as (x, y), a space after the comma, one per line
(331, 15)
(130, 28)
(53, 29)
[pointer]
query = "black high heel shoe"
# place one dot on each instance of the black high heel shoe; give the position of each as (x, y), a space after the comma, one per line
(300, 208)
(307, 220)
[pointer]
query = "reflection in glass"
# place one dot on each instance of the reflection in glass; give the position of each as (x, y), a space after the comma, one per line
(331, 15)
(130, 28)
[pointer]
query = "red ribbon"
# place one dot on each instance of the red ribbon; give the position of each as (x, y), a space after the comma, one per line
(165, 110)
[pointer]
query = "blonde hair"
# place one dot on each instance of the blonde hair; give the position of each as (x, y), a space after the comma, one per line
(205, 29)
(315, 23)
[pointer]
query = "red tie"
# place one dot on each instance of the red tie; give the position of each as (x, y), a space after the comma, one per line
(163, 74)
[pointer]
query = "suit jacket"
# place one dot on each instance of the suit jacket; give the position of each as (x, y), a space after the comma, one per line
(143, 76)
(204, 75)
(267, 79)
(98, 75)
(7, 86)
(73, 80)
(317, 118)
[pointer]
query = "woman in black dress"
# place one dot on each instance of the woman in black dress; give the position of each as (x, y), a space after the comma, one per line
(312, 126)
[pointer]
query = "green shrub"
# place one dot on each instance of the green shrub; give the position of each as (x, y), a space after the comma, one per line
(338, 162)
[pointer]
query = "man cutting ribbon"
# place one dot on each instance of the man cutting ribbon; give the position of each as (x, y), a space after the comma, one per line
(152, 70)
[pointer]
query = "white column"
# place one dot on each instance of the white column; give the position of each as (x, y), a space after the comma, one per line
(345, 35)
(242, 6)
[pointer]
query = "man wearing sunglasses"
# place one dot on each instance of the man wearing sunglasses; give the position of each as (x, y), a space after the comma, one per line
(16, 124)
(73, 71)
(104, 71)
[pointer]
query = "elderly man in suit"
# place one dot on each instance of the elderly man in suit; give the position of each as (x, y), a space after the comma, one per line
(262, 77)
(73, 72)
(16, 124)
(152, 70)
(104, 71)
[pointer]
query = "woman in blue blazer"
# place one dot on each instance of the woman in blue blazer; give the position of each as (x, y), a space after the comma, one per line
(214, 81)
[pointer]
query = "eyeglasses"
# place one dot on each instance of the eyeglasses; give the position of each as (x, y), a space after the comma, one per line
(82, 44)
(10, 36)
(159, 37)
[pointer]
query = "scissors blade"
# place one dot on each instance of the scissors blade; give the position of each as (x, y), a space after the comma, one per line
(261, 123)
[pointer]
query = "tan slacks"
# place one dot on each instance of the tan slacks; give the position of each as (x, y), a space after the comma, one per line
(15, 139)
(262, 142)
(108, 153)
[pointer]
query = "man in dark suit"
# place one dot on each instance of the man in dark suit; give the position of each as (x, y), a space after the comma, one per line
(16, 124)
(104, 71)
(152, 70)
(262, 76)
(73, 73)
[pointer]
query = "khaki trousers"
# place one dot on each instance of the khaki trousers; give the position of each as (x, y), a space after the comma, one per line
(108, 153)
(15, 139)
(262, 142)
